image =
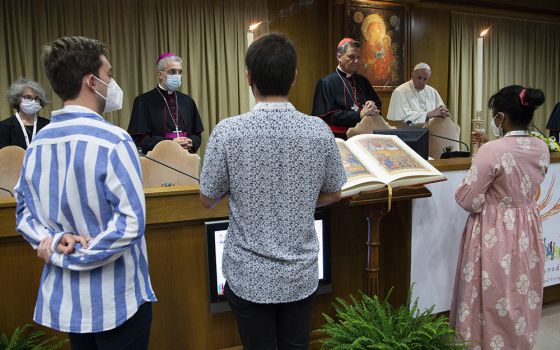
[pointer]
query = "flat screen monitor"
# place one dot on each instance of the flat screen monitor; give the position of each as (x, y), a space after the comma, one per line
(216, 232)
(417, 139)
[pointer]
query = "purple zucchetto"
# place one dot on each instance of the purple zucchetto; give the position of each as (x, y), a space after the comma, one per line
(165, 55)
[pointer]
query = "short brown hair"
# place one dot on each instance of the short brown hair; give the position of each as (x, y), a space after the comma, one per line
(68, 59)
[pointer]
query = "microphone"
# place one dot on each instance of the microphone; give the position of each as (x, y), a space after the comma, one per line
(447, 138)
(415, 126)
(448, 151)
(7, 190)
(172, 168)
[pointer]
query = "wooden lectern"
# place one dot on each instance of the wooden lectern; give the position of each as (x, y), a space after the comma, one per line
(376, 205)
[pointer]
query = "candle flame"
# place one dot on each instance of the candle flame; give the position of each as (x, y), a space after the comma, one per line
(483, 33)
(254, 26)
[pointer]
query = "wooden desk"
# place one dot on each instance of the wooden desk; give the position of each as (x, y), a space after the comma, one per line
(175, 237)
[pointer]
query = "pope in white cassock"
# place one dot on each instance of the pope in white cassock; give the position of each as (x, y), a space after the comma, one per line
(415, 101)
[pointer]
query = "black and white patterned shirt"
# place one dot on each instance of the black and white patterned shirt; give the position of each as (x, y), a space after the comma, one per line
(273, 162)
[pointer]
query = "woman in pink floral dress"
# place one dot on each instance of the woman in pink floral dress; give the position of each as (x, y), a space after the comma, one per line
(499, 280)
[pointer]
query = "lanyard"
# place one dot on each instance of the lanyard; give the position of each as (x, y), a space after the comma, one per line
(25, 130)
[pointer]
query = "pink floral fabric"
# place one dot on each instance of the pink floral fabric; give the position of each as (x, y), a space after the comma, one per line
(499, 280)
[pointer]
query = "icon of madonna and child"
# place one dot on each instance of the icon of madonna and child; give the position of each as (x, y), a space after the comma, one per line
(382, 40)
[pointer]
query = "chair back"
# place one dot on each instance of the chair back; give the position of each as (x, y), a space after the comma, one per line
(11, 162)
(169, 153)
(367, 125)
(442, 127)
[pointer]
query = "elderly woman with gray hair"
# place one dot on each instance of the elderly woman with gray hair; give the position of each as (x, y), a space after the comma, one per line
(27, 97)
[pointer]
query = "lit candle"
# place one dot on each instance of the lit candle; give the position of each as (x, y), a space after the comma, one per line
(249, 42)
(249, 38)
(479, 64)
(478, 95)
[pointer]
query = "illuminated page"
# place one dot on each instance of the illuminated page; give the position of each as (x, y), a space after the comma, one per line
(357, 175)
(390, 159)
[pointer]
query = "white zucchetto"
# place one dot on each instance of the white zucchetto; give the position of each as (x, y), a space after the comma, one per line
(422, 65)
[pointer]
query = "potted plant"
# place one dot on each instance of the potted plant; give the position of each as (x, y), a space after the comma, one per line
(25, 339)
(368, 323)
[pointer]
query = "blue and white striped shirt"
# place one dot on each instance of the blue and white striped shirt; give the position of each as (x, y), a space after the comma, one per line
(81, 175)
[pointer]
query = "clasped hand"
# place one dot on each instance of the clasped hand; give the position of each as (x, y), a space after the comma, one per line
(185, 142)
(440, 111)
(66, 245)
(370, 109)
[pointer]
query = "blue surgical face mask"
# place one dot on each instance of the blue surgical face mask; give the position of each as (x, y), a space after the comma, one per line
(173, 82)
(29, 107)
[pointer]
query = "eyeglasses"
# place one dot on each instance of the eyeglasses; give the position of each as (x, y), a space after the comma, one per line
(30, 98)
(173, 71)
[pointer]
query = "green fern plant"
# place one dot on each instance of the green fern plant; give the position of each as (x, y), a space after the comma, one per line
(24, 339)
(369, 323)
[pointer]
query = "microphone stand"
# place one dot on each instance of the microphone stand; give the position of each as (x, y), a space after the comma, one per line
(539, 130)
(447, 138)
(172, 168)
(448, 154)
(452, 154)
(6, 190)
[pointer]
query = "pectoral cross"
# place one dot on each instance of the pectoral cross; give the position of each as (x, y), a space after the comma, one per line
(177, 131)
(354, 108)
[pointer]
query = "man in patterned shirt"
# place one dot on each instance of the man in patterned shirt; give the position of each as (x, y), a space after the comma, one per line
(276, 165)
(80, 203)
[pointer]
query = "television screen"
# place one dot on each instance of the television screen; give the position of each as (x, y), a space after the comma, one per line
(417, 139)
(216, 232)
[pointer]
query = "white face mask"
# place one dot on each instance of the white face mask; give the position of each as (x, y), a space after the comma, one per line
(29, 107)
(114, 99)
(497, 129)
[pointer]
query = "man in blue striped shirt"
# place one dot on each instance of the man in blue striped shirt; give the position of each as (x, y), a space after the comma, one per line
(80, 203)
